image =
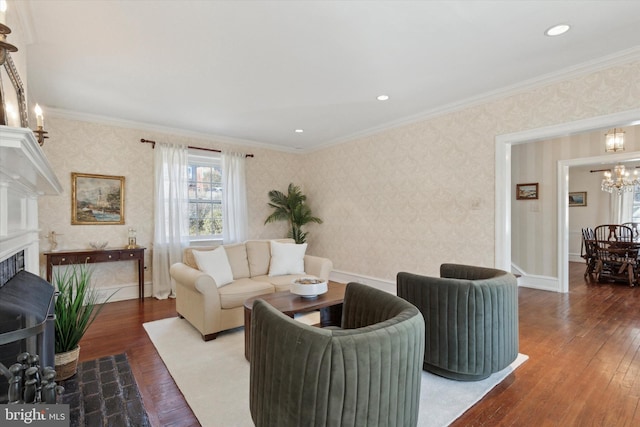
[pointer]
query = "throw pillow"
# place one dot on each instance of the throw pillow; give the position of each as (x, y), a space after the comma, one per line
(287, 258)
(216, 264)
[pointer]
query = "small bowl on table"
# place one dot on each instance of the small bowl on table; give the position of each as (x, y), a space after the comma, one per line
(98, 244)
(308, 287)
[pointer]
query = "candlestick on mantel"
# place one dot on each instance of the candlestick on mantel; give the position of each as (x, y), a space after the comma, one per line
(39, 116)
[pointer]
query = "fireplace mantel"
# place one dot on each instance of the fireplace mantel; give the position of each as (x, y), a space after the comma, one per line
(25, 174)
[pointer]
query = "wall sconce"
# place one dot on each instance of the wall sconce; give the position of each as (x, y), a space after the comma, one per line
(40, 132)
(614, 141)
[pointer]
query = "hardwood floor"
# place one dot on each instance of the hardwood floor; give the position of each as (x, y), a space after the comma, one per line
(583, 367)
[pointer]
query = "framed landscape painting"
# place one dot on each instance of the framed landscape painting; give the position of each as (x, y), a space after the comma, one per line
(578, 198)
(527, 191)
(97, 199)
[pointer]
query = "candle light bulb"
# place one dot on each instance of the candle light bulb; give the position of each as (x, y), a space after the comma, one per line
(39, 117)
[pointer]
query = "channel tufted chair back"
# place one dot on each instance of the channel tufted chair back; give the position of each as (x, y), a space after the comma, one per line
(366, 373)
(471, 319)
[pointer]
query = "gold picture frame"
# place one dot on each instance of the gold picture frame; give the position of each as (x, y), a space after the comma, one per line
(527, 191)
(97, 199)
(578, 198)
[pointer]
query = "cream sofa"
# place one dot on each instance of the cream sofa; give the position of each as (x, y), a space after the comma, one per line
(211, 309)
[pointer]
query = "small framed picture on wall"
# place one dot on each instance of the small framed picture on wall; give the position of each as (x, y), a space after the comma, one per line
(527, 191)
(578, 198)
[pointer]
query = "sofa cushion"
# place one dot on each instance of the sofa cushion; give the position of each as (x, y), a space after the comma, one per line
(216, 264)
(287, 258)
(282, 283)
(235, 294)
(190, 260)
(258, 255)
(237, 254)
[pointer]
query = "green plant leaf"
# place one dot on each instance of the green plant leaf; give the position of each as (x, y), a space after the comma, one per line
(291, 207)
(76, 305)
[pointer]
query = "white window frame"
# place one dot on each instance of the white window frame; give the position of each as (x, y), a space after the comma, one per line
(210, 159)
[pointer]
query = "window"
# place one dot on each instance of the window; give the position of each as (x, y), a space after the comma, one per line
(205, 197)
(635, 210)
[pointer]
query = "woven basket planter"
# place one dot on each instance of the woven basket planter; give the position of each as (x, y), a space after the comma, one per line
(67, 364)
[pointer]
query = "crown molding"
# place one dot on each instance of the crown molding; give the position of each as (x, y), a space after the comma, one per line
(618, 58)
(147, 127)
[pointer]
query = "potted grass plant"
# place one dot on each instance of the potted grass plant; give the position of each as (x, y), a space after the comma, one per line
(76, 307)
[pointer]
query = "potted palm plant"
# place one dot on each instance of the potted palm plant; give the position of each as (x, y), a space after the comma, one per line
(76, 307)
(291, 207)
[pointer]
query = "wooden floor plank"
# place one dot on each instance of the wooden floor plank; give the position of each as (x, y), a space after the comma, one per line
(583, 367)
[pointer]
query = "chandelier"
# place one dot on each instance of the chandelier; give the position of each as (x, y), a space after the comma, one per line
(620, 180)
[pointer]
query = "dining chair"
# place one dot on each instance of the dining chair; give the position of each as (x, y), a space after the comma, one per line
(588, 250)
(616, 253)
(635, 228)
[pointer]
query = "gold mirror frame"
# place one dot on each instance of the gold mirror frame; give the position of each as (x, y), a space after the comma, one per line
(12, 72)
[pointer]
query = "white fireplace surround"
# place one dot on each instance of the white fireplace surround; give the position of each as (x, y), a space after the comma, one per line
(25, 174)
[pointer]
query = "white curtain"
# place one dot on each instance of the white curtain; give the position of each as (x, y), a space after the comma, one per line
(621, 207)
(171, 216)
(235, 222)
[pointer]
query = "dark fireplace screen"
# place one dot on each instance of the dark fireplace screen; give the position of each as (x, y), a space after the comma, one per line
(26, 323)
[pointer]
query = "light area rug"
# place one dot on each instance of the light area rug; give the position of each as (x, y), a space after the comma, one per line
(214, 377)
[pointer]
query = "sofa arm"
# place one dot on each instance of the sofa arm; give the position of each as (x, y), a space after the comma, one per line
(318, 266)
(193, 279)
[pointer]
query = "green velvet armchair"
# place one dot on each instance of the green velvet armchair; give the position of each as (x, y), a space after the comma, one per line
(471, 319)
(366, 373)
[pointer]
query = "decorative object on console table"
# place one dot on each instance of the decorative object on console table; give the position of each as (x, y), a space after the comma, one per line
(87, 256)
(132, 239)
(97, 199)
(77, 306)
(578, 198)
(527, 191)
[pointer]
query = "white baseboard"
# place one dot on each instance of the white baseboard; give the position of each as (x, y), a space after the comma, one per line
(346, 277)
(122, 293)
(575, 258)
(543, 283)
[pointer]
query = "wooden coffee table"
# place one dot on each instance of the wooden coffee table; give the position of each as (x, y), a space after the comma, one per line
(329, 304)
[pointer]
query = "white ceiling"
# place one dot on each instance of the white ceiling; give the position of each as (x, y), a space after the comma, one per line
(257, 70)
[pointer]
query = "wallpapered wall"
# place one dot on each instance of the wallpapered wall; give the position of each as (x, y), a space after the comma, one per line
(597, 211)
(416, 196)
(79, 146)
(406, 199)
(534, 222)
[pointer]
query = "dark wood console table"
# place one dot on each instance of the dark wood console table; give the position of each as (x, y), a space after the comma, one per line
(91, 256)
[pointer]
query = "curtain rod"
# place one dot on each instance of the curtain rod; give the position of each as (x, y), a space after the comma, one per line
(153, 145)
(608, 170)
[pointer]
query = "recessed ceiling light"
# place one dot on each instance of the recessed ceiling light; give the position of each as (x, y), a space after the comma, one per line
(382, 97)
(557, 30)
(299, 130)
